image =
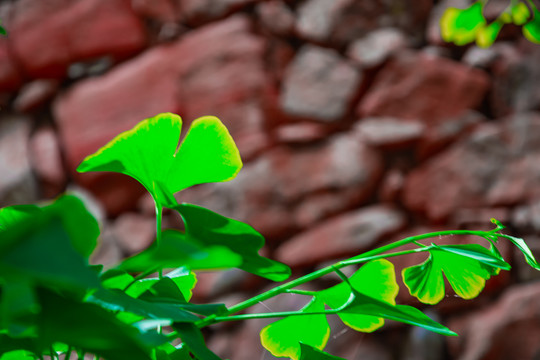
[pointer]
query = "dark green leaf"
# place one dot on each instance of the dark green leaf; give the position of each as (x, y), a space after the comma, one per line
(175, 250)
(18, 308)
(42, 252)
(308, 352)
(148, 153)
(118, 301)
(183, 278)
(467, 267)
(92, 329)
(211, 229)
(283, 337)
(192, 337)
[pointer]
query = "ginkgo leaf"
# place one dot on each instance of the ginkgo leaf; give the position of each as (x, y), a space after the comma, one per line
(211, 229)
(376, 279)
(467, 267)
(362, 306)
(148, 153)
(485, 37)
(531, 30)
(283, 337)
(522, 246)
(310, 353)
(182, 277)
(460, 26)
(520, 13)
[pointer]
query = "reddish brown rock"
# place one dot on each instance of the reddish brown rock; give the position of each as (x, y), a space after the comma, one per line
(17, 183)
(134, 232)
(223, 76)
(509, 329)
(197, 12)
(10, 76)
(319, 85)
(345, 235)
(441, 89)
(46, 160)
(276, 16)
(269, 193)
(35, 94)
(300, 133)
(160, 10)
(48, 36)
(494, 166)
(389, 133)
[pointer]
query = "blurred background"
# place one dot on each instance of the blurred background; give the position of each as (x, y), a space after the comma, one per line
(357, 126)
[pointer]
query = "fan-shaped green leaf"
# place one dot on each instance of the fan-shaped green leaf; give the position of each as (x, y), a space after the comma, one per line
(485, 37)
(531, 30)
(310, 353)
(148, 153)
(520, 13)
(376, 279)
(283, 337)
(467, 267)
(182, 277)
(460, 26)
(211, 229)
(174, 250)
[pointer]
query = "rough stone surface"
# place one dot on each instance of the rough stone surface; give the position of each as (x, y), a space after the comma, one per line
(444, 89)
(202, 11)
(348, 234)
(492, 167)
(17, 183)
(47, 36)
(35, 94)
(276, 17)
(507, 330)
(376, 47)
(319, 85)
(134, 232)
(10, 76)
(300, 133)
(389, 132)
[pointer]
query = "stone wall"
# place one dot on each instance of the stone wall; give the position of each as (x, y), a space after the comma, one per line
(357, 127)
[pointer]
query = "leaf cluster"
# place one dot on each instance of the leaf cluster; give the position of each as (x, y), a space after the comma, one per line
(464, 26)
(53, 302)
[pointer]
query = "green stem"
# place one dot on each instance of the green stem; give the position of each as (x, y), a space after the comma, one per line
(159, 215)
(374, 254)
(300, 292)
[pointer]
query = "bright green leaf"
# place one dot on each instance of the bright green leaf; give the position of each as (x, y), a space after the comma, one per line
(174, 250)
(520, 13)
(376, 279)
(282, 338)
(310, 353)
(211, 229)
(485, 37)
(522, 246)
(460, 26)
(531, 30)
(184, 279)
(18, 354)
(148, 153)
(467, 267)
(116, 279)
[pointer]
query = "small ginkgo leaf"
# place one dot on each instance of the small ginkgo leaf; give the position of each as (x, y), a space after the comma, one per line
(182, 277)
(460, 26)
(486, 36)
(211, 229)
(376, 279)
(148, 153)
(531, 30)
(467, 267)
(310, 353)
(283, 337)
(520, 13)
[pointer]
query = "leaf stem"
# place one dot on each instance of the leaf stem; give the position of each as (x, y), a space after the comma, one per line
(374, 254)
(159, 216)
